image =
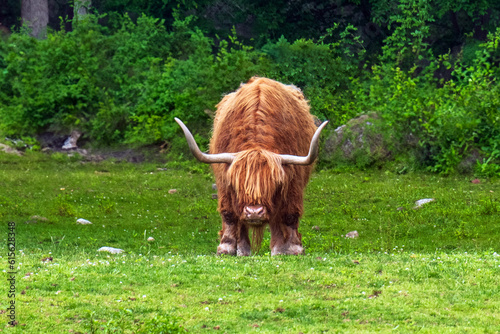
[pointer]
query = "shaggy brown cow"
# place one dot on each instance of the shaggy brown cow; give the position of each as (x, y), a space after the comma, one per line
(262, 153)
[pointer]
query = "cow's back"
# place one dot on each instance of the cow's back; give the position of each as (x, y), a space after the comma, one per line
(263, 114)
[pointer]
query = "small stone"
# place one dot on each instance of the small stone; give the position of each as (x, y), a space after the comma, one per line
(82, 221)
(316, 228)
(38, 218)
(352, 235)
(70, 143)
(476, 181)
(421, 202)
(214, 186)
(215, 196)
(110, 250)
(172, 191)
(151, 239)
(8, 149)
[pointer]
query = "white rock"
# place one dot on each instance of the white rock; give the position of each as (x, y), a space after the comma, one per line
(352, 235)
(111, 250)
(8, 149)
(151, 239)
(82, 221)
(37, 217)
(70, 142)
(421, 202)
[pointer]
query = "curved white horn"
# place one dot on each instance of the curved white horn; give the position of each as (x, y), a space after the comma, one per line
(204, 157)
(287, 159)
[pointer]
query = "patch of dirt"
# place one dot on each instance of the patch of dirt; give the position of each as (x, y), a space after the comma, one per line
(52, 142)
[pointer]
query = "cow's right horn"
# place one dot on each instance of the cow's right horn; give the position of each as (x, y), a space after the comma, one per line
(198, 154)
(287, 159)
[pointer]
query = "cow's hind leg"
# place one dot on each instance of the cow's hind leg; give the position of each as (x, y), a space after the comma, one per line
(285, 237)
(228, 234)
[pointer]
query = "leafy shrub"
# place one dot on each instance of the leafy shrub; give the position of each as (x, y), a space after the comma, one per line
(323, 70)
(125, 82)
(439, 123)
(64, 81)
(190, 88)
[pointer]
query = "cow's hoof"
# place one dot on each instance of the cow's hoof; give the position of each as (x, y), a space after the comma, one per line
(290, 250)
(243, 252)
(295, 250)
(226, 249)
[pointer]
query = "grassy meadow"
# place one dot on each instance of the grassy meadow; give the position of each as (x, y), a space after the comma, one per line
(435, 269)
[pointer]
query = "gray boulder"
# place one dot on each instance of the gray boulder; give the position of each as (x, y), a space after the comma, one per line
(360, 141)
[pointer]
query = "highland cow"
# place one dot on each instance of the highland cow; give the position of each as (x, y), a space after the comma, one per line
(263, 148)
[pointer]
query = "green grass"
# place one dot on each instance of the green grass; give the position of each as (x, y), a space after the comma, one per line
(429, 270)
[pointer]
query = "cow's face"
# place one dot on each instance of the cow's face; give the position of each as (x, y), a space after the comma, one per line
(257, 177)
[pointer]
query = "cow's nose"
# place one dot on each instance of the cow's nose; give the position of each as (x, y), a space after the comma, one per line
(254, 212)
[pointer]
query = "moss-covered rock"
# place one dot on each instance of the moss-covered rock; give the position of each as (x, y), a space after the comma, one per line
(360, 141)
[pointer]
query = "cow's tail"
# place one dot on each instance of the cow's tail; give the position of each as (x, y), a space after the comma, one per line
(257, 236)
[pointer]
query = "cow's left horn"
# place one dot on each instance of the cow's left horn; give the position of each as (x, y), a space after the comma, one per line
(313, 151)
(198, 154)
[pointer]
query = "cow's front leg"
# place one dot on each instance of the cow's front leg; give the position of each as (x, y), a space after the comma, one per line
(243, 244)
(228, 234)
(285, 236)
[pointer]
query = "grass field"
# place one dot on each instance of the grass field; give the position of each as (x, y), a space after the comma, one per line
(435, 269)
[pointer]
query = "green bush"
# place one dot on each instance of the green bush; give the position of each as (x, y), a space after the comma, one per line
(449, 119)
(79, 79)
(190, 88)
(124, 82)
(323, 70)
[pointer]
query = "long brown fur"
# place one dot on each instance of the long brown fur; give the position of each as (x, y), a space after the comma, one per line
(261, 119)
(252, 187)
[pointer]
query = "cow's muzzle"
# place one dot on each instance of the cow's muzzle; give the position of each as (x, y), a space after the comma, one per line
(255, 214)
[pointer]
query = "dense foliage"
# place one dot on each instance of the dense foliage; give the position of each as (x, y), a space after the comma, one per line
(428, 69)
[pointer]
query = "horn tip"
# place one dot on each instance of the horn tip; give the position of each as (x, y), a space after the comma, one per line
(181, 123)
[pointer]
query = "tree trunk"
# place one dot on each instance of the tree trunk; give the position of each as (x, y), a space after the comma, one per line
(35, 14)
